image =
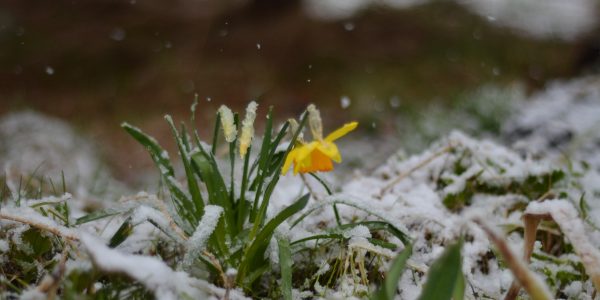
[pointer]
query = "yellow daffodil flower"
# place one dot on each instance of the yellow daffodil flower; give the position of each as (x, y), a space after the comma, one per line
(318, 154)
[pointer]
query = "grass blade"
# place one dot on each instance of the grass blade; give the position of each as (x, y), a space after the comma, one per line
(254, 255)
(390, 285)
(155, 150)
(215, 140)
(122, 234)
(243, 207)
(262, 164)
(443, 275)
(285, 263)
(215, 185)
(97, 215)
(160, 157)
(459, 289)
(197, 201)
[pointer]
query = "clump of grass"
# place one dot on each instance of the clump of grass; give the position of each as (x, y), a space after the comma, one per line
(243, 232)
(241, 237)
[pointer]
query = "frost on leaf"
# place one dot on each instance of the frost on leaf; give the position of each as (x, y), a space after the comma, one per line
(197, 242)
(152, 272)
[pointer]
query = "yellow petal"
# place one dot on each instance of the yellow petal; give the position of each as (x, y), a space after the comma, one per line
(340, 132)
(330, 150)
(305, 150)
(300, 156)
(288, 160)
(320, 162)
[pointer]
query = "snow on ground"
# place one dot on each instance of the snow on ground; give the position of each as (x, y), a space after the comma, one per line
(416, 202)
(561, 124)
(31, 141)
(561, 121)
(415, 192)
(46, 148)
(152, 272)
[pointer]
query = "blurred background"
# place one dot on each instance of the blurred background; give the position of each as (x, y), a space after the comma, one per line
(385, 63)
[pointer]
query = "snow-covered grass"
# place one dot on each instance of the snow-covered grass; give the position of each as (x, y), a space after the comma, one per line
(467, 217)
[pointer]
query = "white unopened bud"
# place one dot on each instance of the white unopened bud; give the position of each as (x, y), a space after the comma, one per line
(248, 128)
(314, 121)
(227, 123)
(294, 126)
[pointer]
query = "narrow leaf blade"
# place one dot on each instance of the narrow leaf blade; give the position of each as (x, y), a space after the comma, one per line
(443, 275)
(285, 263)
(390, 285)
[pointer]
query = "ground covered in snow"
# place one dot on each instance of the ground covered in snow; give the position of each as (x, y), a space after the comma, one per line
(62, 235)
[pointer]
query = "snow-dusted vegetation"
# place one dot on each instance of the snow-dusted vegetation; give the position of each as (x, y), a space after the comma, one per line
(514, 214)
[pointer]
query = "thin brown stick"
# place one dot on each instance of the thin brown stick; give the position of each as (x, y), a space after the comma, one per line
(530, 230)
(227, 282)
(59, 230)
(534, 287)
(423, 163)
(572, 226)
(163, 209)
(51, 282)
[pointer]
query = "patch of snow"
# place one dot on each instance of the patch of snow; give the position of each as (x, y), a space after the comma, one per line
(4, 247)
(152, 272)
(565, 215)
(197, 242)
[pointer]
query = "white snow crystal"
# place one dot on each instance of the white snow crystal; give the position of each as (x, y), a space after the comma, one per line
(205, 228)
(152, 272)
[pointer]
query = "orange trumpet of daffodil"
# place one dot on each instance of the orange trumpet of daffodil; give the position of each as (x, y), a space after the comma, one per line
(318, 154)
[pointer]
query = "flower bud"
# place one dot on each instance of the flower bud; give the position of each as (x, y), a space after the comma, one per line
(227, 123)
(314, 122)
(248, 128)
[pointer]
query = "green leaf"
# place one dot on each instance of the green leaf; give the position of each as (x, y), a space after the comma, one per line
(383, 244)
(197, 201)
(459, 288)
(97, 215)
(39, 243)
(390, 285)
(258, 218)
(122, 233)
(243, 207)
(181, 201)
(443, 275)
(209, 173)
(584, 208)
(155, 150)
(263, 158)
(254, 256)
(319, 237)
(285, 264)
(215, 185)
(213, 148)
